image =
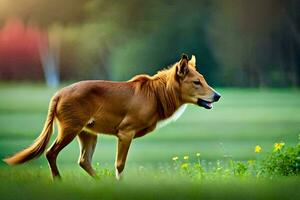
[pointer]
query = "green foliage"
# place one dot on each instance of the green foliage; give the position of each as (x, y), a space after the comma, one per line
(115, 40)
(280, 162)
(35, 183)
(103, 171)
(239, 168)
(285, 162)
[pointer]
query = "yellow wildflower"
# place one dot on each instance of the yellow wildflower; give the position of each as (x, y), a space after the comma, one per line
(278, 146)
(175, 158)
(198, 154)
(258, 149)
(186, 157)
(251, 162)
(185, 166)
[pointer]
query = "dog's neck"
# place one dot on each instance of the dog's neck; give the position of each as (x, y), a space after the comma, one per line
(164, 87)
(167, 95)
(166, 90)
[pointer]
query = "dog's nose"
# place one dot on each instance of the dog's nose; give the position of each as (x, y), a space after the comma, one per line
(217, 96)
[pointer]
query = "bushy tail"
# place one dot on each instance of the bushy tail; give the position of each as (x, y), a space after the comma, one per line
(40, 144)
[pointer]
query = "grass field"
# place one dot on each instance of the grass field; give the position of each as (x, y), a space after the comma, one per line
(242, 119)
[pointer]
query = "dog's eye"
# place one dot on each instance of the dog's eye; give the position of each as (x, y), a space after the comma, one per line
(197, 82)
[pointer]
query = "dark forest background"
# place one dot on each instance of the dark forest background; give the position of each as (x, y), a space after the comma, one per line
(244, 43)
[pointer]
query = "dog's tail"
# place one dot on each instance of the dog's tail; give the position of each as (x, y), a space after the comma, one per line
(40, 144)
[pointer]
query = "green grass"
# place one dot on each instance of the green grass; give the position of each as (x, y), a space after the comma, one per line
(242, 119)
(34, 183)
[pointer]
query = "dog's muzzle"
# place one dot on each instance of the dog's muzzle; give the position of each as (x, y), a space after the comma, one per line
(205, 104)
(208, 104)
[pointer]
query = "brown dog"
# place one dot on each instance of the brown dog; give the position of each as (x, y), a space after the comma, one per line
(124, 109)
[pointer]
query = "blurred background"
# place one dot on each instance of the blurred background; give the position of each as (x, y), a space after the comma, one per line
(248, 49)
(238, 43)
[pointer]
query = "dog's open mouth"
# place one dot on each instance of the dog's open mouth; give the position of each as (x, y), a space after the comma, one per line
(205, 104)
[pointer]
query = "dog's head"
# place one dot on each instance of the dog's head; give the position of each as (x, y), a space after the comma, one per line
(194, 89)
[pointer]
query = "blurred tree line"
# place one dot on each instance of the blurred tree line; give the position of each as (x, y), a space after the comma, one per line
(251, 43)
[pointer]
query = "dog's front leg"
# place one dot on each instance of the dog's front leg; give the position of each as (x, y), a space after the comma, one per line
(124, 141)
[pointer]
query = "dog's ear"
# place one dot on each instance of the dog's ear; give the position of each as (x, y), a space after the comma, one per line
(182, 67)
(192, 62)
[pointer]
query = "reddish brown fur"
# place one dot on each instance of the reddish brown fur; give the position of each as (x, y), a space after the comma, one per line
(124, 109)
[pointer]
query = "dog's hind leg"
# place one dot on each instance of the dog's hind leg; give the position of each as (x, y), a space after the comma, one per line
(87, 143)
(65, 136)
